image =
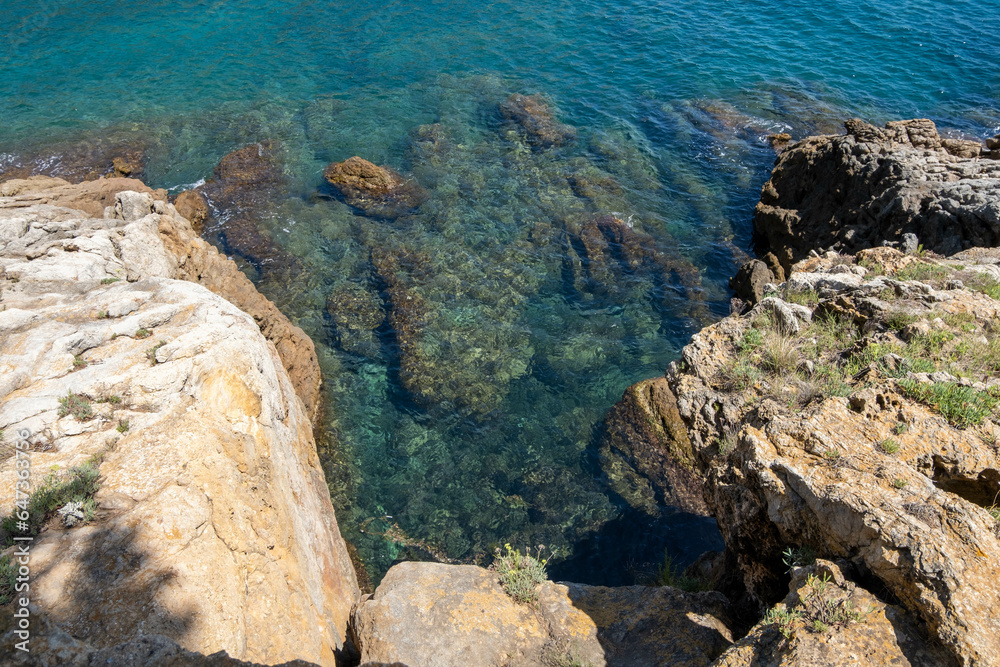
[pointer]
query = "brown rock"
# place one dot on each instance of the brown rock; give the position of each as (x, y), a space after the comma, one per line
(192, 205)
(873, 185)
(534, 117)
(376, 191)
(645, 434)
(749, 281)
(779, 141)
(91, 197)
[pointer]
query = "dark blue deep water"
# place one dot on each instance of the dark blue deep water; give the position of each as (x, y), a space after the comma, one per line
(521, 348)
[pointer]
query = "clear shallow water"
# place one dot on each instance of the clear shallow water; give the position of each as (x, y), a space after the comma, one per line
(521, 351)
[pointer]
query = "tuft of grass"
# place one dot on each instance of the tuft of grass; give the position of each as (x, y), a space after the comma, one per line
(961, 406)
(899, 319)
(108, 281)
(986, 285)
(103, 315)
(151, 352)
(900, 428)
(122, 425)
(739, 374)
(76, 405)
(143, 333)
(889, 446)
(899, 483)
(794, 557)
(114, 399)
(79, 362)
(831, 454)
(806, 297)
(780, 354)
(520, 574)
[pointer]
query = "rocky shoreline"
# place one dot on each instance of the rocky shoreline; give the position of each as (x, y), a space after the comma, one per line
(841, 426)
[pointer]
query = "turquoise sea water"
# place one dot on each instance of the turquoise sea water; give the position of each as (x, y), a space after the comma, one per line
(523, 342)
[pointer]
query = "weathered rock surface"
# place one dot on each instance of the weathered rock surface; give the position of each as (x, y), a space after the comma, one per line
(833, 622)
(535, 119)
(873, 185)
(193, 206)
(827, 435)
(213, 525)
(376, 191)
(435, 614)
(750, 280)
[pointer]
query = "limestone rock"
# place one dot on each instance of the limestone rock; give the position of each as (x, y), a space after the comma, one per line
(376, 191)
(213, 525)
(874, 184)
(436, 614)
(534, 117)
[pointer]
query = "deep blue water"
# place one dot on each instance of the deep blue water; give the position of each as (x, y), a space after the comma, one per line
(523, 356)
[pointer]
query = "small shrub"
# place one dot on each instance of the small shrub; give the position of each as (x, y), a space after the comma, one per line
(739, 375)
(726, 445)
(77, 485)
(122, 425)
(820, 627)
(520, 574)
(898, 319)
(108, 281)
(794, 557)
(673, 577)
(103, 315)
(151, 352)
(900, 428)
(784, 618)
(114, 399)
(79, 362)
(8, 580)
(831, 454)
(994, 511)
(751, 340)
(76, 405)
(961, 406)
(889, 446)
(143, 333)
(898, 483)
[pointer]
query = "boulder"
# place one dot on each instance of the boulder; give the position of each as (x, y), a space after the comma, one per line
(534, 118)
(192, 205)
(873, 185)
(379, 192)
(212, 523)
(441, 615)
(749, 281)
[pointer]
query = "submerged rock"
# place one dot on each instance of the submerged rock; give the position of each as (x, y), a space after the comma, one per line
(212, 523)
(534, 117)
(872, 185)
(376, 191)
(356, 313)
(110, 156)
(435, 614)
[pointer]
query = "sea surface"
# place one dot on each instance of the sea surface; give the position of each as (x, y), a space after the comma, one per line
(522, 337)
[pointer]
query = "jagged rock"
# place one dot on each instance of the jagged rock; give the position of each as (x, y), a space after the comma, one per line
(534, 117)
(854, 191)
(376, 191)
(749, 281)
(855, 628)
(193, 206)
(436, 614)
(213, 524)
(779, 141)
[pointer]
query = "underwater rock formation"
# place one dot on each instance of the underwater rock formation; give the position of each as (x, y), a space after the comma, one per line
(111, 156)
(376, 191)
(212, 523)
(533, 116)
(435, 614)
(874, 185)
(245, 182)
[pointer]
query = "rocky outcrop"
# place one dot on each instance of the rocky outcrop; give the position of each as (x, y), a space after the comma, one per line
(534, 118)
(442, 615)
(861, 424)
(379, 192)
(873, 185)
(118, 154)
(826, 619)
(212, 525)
